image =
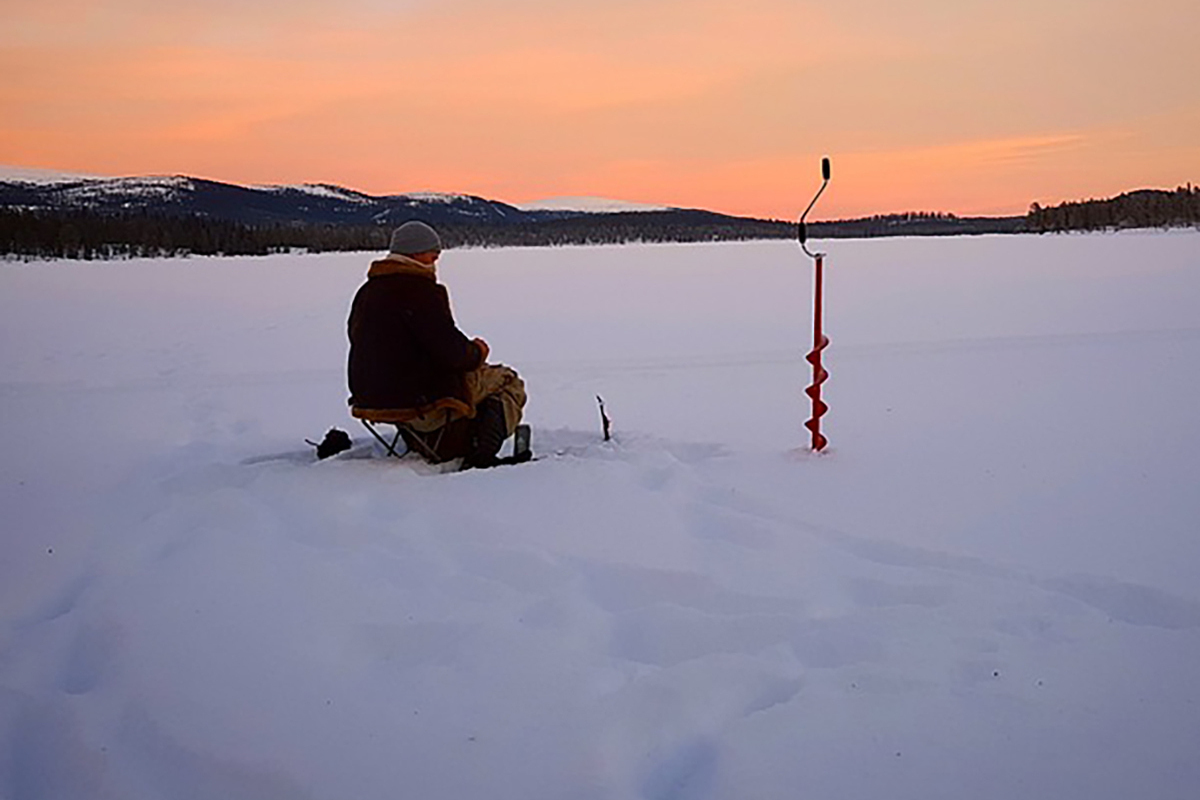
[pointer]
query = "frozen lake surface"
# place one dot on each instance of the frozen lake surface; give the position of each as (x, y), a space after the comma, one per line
(985, 589)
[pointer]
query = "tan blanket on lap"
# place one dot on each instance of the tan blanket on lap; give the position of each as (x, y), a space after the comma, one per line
(487, 381)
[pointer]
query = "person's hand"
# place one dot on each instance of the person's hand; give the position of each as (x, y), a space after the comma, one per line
(483, 347)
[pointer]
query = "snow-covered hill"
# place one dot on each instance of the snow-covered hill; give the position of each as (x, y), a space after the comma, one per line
(588, 205)
(99, 184)
(35, 175)
(986, 589)
(319, 190)
(184, 196)
(320, 203)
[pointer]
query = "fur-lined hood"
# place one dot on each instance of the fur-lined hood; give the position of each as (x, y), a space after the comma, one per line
(396, 264)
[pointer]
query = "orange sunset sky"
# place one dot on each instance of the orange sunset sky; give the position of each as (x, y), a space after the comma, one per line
(942, 105)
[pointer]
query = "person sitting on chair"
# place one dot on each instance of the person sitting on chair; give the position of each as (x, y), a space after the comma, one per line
(411, 366)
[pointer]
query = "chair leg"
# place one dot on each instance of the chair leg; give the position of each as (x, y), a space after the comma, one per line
(419, 442)
(414, 439)
(391, 448)
(430, 451)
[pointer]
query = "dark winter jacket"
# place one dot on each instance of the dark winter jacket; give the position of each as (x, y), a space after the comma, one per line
(405, 350)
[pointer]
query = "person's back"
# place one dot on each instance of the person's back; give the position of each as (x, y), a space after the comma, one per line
(405, 350)
(407, 353)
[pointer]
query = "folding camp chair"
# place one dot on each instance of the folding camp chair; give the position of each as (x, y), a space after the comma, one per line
(427, 444)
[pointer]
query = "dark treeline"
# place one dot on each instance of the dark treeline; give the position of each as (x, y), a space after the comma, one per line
(619, 228)
(1145, 208)
(914, 224)
(92, 235)
(96, 235)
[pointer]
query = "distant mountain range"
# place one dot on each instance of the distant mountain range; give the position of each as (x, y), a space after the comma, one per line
(319, 204)
(48, 213)
(54, 214)
(310, 203)
(327, 204)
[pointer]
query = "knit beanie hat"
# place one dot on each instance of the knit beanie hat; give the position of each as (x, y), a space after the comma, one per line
(414, 237)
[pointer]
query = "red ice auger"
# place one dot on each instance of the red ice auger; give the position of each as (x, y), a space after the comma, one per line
(820, 340)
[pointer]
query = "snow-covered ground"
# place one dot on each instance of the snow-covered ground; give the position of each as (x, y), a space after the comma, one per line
(986, 589)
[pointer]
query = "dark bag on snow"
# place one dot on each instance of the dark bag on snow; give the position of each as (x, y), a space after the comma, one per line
(335, 441)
